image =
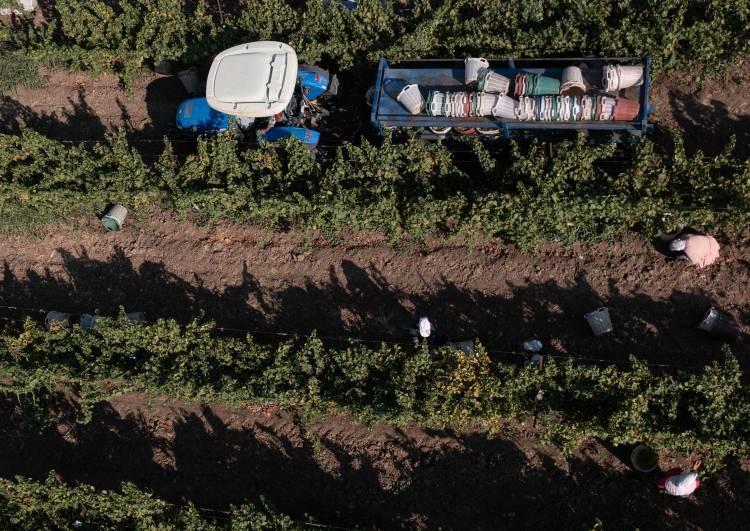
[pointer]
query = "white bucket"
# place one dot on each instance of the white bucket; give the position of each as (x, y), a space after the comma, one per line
(442, 131)
(114, 219)
(608, 107)
(87, 321)
(575, 106)
(506, 107)
(526, 108)
(462, 104)
(719, 325)
(56, 317)
(587, 109)
(599, 321)
(472, 67)
(610, 78)
(630, 76)
(435, 102)
(25, 5)
(494, 83)
(572, 81)
(617, 77)
(565, 107)
(411, 98)
(487, 103)
(448, 104)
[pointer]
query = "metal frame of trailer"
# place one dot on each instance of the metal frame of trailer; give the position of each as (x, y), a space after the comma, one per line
(448, 74)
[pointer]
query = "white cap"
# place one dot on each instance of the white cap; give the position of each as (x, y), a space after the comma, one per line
(425, 328)
(678, 244)
(532, 345)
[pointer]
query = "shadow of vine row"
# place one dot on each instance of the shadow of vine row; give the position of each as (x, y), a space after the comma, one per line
(360, 303)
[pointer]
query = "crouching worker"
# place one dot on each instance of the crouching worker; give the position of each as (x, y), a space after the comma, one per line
(698, 249)
(426, 333)
(679, 483)
(534, 351)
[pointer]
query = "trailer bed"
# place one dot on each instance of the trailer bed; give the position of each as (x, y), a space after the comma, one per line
(448, 75)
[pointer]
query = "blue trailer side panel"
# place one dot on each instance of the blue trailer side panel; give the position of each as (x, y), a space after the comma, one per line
(382, 65)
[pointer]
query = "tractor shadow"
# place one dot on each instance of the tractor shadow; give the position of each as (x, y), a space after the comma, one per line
(84, 117)
(360, 303)
(76, 122)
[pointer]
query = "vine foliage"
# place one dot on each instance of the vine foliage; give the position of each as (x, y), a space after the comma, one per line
(27, 505)
(409, 189)
(124, 36)
(707, 412)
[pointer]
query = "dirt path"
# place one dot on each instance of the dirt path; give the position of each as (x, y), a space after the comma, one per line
(710, 113)
(245, 278)
(346, 474)
(76, 106)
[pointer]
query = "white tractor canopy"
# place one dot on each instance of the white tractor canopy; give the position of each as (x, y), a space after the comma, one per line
(254, 80)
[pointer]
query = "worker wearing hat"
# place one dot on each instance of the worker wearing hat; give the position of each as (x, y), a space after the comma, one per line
(698, 249)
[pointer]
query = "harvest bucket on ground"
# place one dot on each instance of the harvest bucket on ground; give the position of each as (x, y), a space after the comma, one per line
(114, 219)
(87, 321)
(190, 80)
(644, 458)
(56, 317)
(136, 317)
(599, 321)
(719, 325)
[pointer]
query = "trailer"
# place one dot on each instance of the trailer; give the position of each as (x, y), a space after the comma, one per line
(555, 98)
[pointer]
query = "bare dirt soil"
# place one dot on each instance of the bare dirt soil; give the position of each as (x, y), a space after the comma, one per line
(77, 106)
(243, 277)
(382, 477)
(709, 112)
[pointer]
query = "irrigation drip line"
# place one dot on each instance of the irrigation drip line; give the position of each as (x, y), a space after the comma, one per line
(228, 514)
(344, 339)
(705, 158)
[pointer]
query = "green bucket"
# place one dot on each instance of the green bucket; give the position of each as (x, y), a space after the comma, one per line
(544, 86)
(114, 219)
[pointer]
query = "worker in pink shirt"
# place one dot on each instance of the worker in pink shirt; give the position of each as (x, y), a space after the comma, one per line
(679, 483)
(700, 250)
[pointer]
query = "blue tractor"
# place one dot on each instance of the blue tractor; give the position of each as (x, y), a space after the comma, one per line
(260, 87)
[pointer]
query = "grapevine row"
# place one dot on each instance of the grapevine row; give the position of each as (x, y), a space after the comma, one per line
(408, 189)
(707, 412)
(27, 505)
(127, 36)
